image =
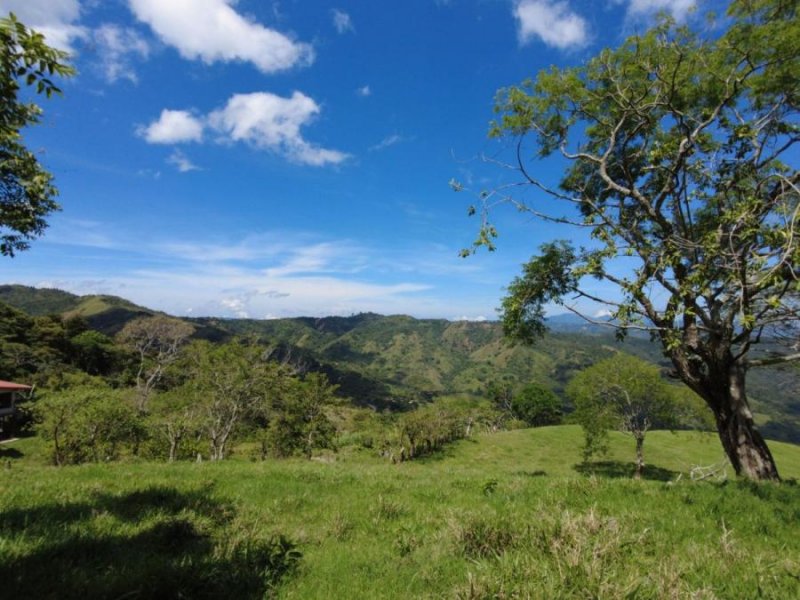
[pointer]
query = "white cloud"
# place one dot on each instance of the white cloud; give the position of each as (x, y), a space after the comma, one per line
(387, 142)
(55, 19)
(364, 91)
(181, 162)
(117, 46)
(173, 127)
(278, 273)
(325, 257)
(211, 30)
(273, 123)
(342, 21)
(679, 9)
(554, 23)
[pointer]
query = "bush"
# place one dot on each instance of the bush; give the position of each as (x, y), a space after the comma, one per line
(87, 424)
(537, 405)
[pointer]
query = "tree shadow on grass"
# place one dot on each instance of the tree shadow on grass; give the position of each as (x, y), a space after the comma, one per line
(537, 473)
(624, 470)
(158, 542)
(10, 453)
(445, 451)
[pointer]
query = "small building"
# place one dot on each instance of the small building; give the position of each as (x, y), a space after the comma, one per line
(9, 393)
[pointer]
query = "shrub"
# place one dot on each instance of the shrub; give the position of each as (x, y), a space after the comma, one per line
(537, 405)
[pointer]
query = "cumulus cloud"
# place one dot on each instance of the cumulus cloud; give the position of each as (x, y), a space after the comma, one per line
(364, 91)
(212, 31)
(554, 23)
(117, 48)
(181, 162)
(679, 9)
(342, 21)
(273, 123)
(173, 127)
(262, 120)
(55, 19)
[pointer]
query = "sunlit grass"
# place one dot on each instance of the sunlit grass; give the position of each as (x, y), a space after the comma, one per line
(502, 515)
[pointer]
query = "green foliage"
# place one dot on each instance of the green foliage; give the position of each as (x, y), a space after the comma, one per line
(28, 193)
(546, 278)
(378, 362)
(298, 422)
(622, 393)
(37, 301)
(87, 423)
(429, 428)
(537, 405)
(175, 425)
(680, 153)
(228, 382)
(94, 353)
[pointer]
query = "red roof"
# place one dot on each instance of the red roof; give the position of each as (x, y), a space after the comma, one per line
(8, 386)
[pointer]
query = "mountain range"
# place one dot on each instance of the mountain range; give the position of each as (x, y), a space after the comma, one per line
(397, 361)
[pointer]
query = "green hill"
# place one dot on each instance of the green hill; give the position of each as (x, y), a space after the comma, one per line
(397, 361)
(38, 302)
(508, 515)
(107, 314)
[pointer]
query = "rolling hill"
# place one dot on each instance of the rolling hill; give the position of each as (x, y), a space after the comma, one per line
(397, 361)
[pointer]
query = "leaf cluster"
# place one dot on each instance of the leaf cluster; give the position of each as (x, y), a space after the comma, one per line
(26, 189)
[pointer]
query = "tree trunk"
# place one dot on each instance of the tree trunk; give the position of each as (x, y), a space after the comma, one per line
(173, 449)
(639, 457)
(746, 449)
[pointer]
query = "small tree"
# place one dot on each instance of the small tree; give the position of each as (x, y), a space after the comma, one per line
(26, 189)
(156, 342)
(229, 381)
(298, 422)
(174, 417)
(623, 393)
(89, 423)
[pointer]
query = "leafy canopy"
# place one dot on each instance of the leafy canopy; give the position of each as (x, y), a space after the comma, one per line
(26, 189)
(679, 153)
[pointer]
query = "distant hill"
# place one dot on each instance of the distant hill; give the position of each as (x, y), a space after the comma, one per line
(397, 361)
(38, 302)
(107, 314)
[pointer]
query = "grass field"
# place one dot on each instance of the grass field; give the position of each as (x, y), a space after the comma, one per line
(506, 515)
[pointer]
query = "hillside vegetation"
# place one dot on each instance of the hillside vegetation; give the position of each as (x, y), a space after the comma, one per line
(511, 514)
(396, 362)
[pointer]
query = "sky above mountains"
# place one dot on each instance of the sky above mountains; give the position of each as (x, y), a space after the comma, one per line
(266, 159)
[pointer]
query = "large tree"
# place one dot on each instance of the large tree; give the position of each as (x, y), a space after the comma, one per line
(26, 189)
(679, 163)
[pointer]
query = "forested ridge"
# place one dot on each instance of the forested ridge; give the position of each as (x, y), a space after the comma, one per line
(384, 362)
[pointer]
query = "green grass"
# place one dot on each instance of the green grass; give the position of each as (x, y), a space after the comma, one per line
(504, 515)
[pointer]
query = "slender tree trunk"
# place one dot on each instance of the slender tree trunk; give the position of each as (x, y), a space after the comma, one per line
(173, 449)
(639, 457)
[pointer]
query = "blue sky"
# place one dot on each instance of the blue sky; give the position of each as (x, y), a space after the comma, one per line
(270, 159)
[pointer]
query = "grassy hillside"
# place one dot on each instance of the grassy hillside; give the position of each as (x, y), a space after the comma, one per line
(503, 515)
